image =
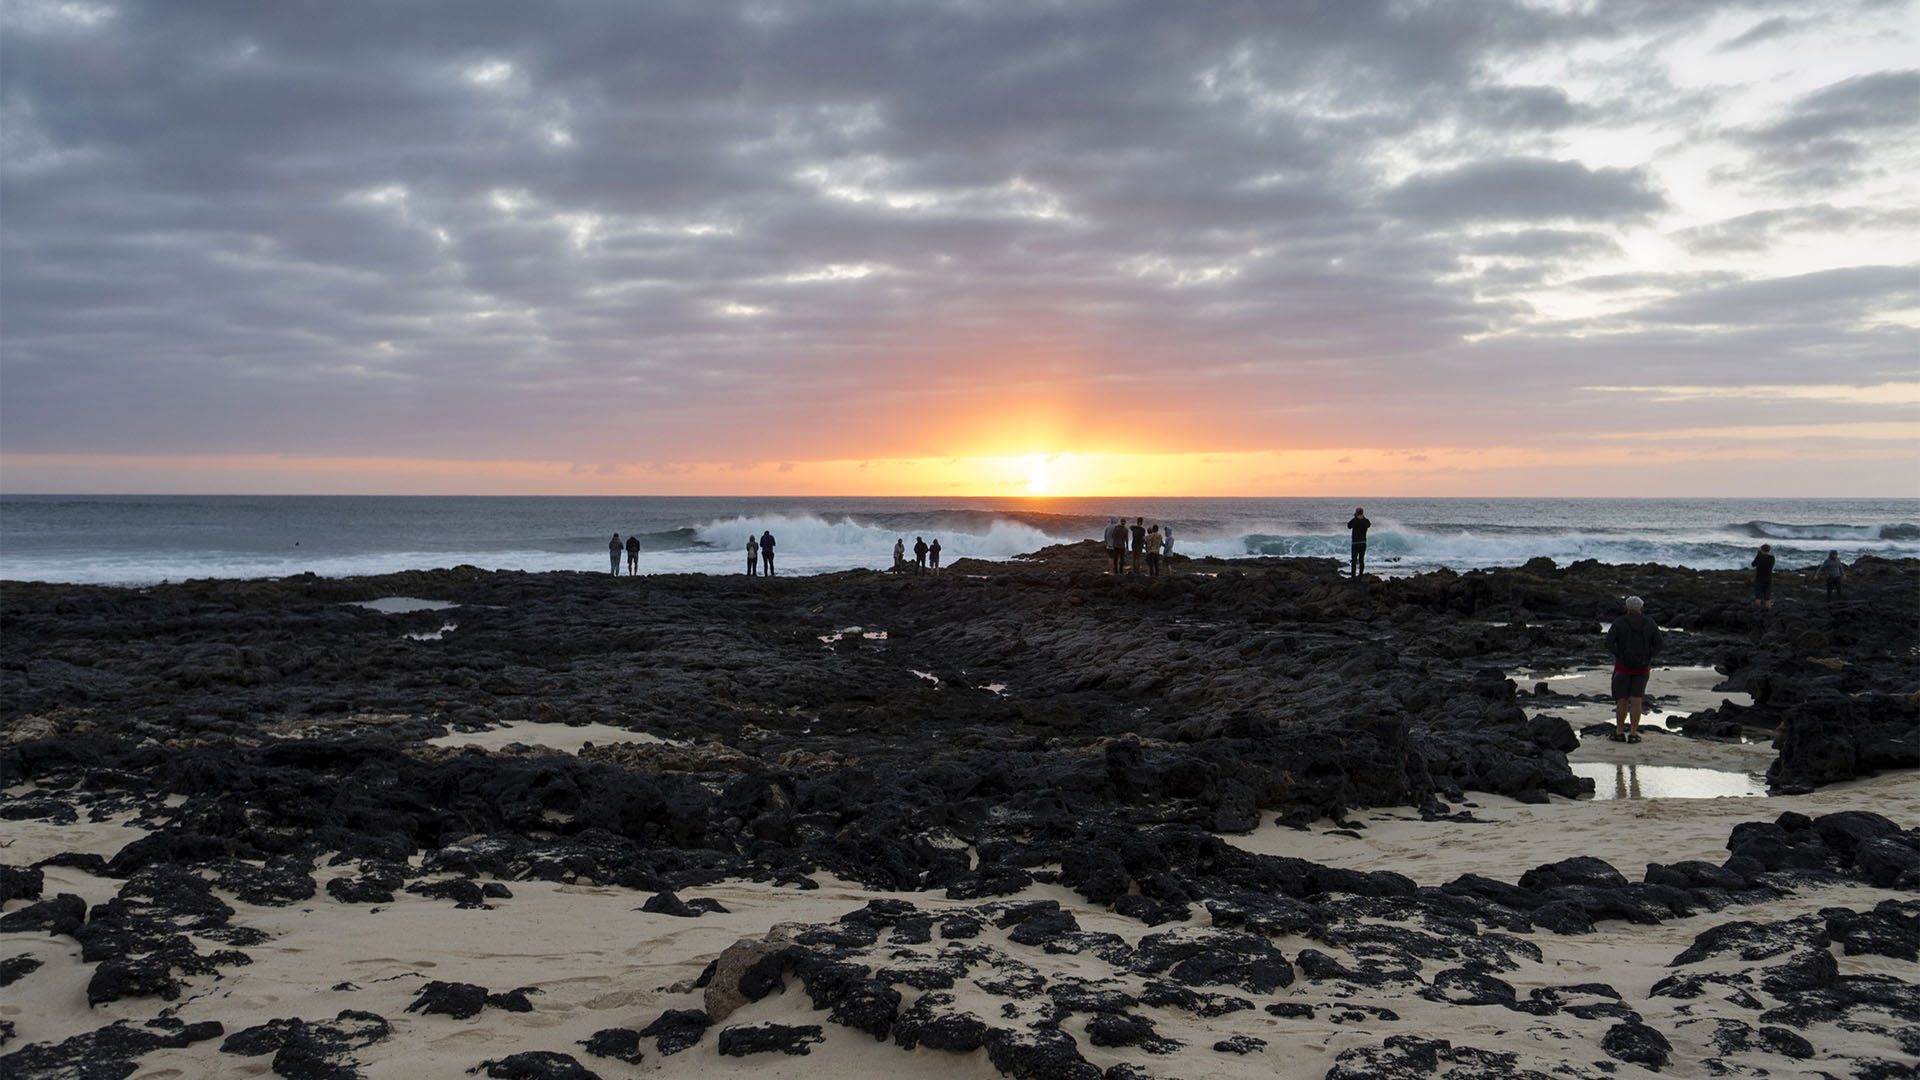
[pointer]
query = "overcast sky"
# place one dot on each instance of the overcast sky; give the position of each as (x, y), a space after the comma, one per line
(1488, 247)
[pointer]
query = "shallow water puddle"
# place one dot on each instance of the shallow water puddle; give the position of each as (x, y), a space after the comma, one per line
(558, 736)
(403, 605)
(865, 635)
(1677, 690)
(1627, 780)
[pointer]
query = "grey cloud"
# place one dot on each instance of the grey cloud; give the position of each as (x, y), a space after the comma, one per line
(1758, 231)
(1887, 99)
(1543, 244)
(1767, 30)
(1824, 298)
(1652, 280)
(234, 224)
(1835, 135)
(1525, 189)
(1543, 107)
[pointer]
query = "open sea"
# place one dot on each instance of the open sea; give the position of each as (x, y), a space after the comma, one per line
(144, 539)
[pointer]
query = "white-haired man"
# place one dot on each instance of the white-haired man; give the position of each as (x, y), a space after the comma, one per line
(1634, 640)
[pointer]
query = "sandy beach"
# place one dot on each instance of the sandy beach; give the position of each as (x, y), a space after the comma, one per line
(590, 961)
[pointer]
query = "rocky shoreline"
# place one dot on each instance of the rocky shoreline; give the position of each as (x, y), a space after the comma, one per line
(1005, 755)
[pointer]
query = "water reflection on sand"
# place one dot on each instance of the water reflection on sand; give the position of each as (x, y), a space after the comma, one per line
(1630, 780)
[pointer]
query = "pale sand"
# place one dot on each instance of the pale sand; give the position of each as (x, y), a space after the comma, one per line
(599, 963)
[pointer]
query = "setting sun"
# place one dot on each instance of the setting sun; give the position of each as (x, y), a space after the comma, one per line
(1036, 483)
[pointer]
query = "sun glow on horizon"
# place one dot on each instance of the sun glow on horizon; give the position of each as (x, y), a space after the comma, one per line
(1875, 458)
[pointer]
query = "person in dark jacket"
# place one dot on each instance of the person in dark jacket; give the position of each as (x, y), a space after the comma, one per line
(919, 554)
(1831, 572)
(1634, 640)
(1358, 525)
(766, 552)
(633, 555)
(1763, 577)
(1139, 533)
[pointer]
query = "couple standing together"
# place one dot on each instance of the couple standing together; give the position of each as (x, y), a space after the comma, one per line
(760, 553)
(631, 547)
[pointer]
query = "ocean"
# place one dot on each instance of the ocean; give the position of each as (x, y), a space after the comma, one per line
(141, 540)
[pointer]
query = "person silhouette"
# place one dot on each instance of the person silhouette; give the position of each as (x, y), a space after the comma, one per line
(1763, 577)
(933, 554)
(613, 553)
(919, 554)
(766, 552)
(633, 555)
(753, 555)
(1359, 525)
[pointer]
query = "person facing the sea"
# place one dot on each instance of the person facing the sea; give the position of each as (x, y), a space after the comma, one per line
(766, 551)
(633, 555)
(919, 554)
(1116, 546)
(1153, 550)
(1358, 525)
(900, 555)
(1831, 572)
(613, 553)
(1763, 577)
(1139, 532)
(753, 555)
(933, 555)
(1634, 640)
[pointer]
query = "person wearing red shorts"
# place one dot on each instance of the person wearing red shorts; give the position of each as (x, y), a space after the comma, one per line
(1634, 640)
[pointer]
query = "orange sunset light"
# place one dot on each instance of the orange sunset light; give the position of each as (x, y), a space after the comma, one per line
(1433, 471)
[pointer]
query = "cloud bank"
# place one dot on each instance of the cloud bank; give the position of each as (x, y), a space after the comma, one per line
(755, 232)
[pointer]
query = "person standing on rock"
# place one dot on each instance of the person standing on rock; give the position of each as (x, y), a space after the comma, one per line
(900, 555)
(919, 554)
(613, 553)
(1763, 577)
(933, 555)
(766, 551)
(1358, 525)
(1153, 550)
(1116, 546)
(1831, 572)
(753, 555)
(633, 555)
(1166, 547)
(1139, 532)
(1634, 640)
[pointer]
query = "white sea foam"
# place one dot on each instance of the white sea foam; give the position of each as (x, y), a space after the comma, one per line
(140, 541)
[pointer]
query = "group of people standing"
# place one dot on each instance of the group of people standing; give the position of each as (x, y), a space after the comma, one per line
(925, 556)
(1148, 541)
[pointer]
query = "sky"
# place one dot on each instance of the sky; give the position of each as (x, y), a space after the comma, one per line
(1292, 247)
